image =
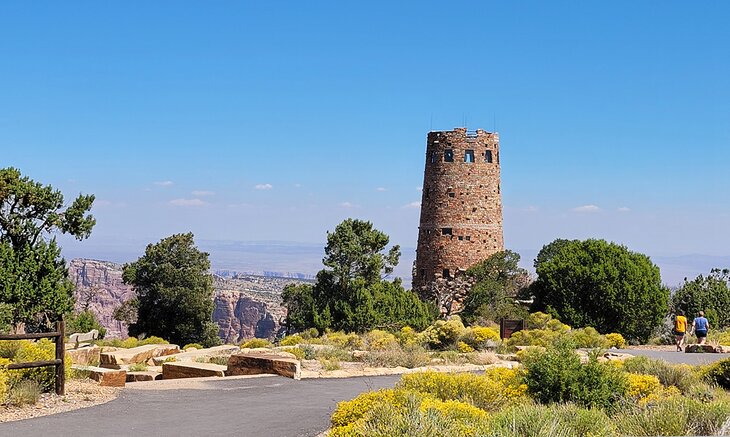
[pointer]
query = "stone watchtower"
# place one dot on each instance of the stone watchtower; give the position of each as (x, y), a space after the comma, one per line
(461, 206)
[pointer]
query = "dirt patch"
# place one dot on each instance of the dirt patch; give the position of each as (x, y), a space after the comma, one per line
(80, 393)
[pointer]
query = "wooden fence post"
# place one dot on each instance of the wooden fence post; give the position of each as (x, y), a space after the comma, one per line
(61, 355)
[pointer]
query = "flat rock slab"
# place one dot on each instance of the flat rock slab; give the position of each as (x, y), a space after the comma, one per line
(258, 363)
(703, 349)
(146, 375)
(105, 377)
(85, 355)
(139, 354)
(193, 355)
(190, 369)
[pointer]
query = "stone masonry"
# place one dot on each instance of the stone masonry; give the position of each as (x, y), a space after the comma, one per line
(461, 206)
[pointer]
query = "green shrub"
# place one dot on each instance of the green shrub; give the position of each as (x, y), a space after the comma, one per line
(587, 338)
(309, 352)
(678, 375)
(129, 343)
(533, 337)
(551, 420)
(138, 367)
(310, 333)
(24, 392)
(291, 340)
(330, 364)
(719, 373)
(255, 343)
(9, 348)
(675, 416)
(83, 322)
(443, 334)
(333, 353)
(152, 340)
(221, 360)
(408, 356)
(197, 346)
(557, 375)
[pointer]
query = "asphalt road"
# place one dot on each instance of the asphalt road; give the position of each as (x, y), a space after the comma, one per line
(270, 406)
(676, 357)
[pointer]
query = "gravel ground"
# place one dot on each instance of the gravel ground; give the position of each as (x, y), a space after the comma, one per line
(80, 393)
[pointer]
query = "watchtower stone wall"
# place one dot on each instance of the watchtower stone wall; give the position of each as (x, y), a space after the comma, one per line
(461, 205)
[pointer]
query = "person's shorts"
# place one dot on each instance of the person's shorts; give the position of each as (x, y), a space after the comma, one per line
(679, 334)
(700, 333)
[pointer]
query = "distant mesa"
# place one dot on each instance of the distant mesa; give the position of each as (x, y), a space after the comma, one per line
(246, 305)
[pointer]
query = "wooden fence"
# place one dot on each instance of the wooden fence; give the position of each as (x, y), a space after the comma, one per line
(59, 362)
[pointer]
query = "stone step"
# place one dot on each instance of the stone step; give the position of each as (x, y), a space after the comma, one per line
(191, 369)
(85, 355)
(210, 352)
(144, 375)
(139, 354)
(105, 377)
(258, 363)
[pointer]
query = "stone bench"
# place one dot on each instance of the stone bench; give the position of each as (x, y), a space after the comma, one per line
(81, 338)
(139, 354)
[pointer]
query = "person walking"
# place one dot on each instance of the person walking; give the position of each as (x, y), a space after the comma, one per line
(680, 329)
(700, 326)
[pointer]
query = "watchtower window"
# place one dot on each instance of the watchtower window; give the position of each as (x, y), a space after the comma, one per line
(432, 157)
(468, 238)
(452, 194)
(461, 237)
(446, 231)
(449, 155)
(488, 156)
(423, 273)
(447, 274)
(428, 193)
(468, 156)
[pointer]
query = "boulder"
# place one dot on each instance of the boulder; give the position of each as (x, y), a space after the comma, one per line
(699, 348)
(190, 369)
(135, 355)
(266, 351)
(85, 355)
(615, 356)
(145, 375)
(105, 377)
(258, 363)
(195, 354)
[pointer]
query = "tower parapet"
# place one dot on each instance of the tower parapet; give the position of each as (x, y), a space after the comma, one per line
(461, 205)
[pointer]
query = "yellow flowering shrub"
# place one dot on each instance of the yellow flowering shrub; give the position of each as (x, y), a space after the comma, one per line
(129, 343)
(291, 340)
(41, 350)
(480, 391)
(662, 394)
(615, 340)
(443, 334)
(339, 338)
(349, 430)
(348, 412)
(4, 378)
(483, 333)
(513, 385)
(641, 386)
(255, 343)
(377, 340)
(464, 348)
(407, 336)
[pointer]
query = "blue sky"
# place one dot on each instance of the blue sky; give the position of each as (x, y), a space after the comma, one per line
(275, 121)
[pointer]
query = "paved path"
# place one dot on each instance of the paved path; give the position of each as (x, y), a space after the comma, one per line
(676, 357)
(269, 406)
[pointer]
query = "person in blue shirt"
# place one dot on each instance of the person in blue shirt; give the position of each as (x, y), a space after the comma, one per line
(700, 326)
